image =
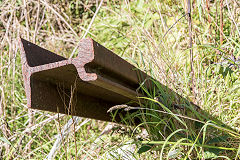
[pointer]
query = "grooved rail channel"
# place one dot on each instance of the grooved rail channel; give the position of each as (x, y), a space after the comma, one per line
(85, 86)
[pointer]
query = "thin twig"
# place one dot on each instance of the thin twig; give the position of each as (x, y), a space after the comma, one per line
(128, 108)
(93, 18)
(61, 17)
(87, 31)
(62, 137)
(221, 31)
(172, 26)
(26, 18)
(189, 17)
(73, 112)
(216, 23)
(221, 22)
(232, 18)
(209, 19)
(37, 22)
(160, 14)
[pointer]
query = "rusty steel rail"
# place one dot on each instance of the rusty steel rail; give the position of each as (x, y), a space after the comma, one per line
(85, 86)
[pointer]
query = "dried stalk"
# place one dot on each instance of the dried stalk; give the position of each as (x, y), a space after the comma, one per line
(87, 31)
(221, 22)
(216, 22)
(209, 19)
(189, 18)
(37, 22)
(73, 112)
(3, 117)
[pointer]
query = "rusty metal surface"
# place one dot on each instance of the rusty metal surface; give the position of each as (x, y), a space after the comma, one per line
(85, 86)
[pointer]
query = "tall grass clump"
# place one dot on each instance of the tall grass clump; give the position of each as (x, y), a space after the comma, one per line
(192, 112)
(203, 124)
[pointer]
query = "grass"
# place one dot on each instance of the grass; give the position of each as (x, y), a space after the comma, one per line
(138, 32)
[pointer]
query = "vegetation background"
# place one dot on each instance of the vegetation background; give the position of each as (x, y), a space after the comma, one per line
(196, 54)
